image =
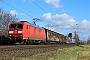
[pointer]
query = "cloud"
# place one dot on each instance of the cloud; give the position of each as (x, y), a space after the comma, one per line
(84, 26)
(55, 3)
(59, 19)
(13, 12)
(64, 21)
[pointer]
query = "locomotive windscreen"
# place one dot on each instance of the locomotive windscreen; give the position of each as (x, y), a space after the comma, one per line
(16, 26)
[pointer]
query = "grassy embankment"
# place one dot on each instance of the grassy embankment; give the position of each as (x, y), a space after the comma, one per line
(74, 53)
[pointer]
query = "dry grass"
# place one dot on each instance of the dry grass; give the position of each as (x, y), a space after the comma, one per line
(74, 53)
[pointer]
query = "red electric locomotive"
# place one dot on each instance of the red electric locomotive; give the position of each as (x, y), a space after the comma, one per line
(24, 32)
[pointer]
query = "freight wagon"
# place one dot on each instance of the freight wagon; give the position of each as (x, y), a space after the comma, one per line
(54, 37)
(25, 33)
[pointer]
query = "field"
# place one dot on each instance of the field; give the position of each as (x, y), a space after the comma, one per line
(74, 53)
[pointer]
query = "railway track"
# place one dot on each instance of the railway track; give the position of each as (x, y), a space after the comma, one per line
(9, 52)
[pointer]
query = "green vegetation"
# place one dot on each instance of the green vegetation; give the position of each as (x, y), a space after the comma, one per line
(74, 53)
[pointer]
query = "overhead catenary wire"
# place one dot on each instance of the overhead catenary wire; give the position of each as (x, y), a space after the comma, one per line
(44, 10)
(16, 8)
(43, 4)
(38, 6)
(22, 7)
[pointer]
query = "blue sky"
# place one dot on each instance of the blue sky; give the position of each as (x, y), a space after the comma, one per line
(62, 16)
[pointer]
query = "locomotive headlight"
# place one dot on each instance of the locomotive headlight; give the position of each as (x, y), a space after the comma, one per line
(19, 31)
(10, 31)
(10, 35)
(21, 35)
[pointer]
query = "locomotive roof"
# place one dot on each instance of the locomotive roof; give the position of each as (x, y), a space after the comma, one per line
(30, 24)
(33, 24)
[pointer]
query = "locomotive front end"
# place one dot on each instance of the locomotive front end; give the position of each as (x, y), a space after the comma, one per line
(15, 32)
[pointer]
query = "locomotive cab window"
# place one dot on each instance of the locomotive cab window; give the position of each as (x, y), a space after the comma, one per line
(16, 26)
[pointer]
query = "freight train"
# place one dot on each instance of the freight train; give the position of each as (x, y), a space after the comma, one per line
(25, 33)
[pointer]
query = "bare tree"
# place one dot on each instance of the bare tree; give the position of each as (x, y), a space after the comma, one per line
(88, 40)
(5, 19)
(76, 37)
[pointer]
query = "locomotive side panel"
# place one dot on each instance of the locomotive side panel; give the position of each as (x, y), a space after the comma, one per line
(32, 33)
(37, 33)
(25, 30)
(42, 34)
